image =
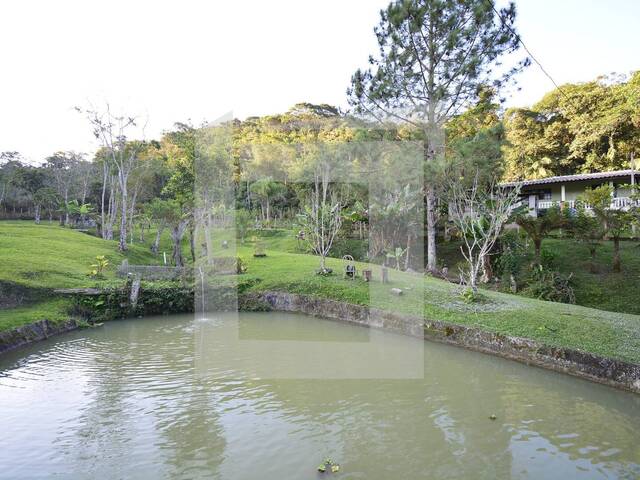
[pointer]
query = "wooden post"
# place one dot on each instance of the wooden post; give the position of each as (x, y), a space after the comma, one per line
(385, 275)
(366, 275)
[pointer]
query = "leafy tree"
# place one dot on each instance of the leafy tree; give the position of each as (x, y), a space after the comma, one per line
(61, 166)
(586, 127)
(159, 211)
(112, 131)
(170, 214)
(435, 57)
(267, 191)
(45, 198)
(179, 147)
(480, 214)
(30, 180)
(538, 228)
(78, 211)
(10, 165)
(587, 229)
(243, 222)
(615, 223)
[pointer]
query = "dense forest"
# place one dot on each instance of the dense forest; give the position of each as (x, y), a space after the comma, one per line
(131, 184)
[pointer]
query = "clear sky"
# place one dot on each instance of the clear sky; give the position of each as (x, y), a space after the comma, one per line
(177, 60)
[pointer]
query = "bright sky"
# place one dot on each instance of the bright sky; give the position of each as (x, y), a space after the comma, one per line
(173, 61)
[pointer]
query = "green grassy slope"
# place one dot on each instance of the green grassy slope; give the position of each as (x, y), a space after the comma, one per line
(49, 256)
(609, 334)
(53, 257)
(35, 259)
(606, 290)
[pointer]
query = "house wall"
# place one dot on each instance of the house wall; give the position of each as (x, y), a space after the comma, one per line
(574, 189)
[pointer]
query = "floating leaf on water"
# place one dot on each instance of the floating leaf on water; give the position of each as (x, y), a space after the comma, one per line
(492, 416)
(335, 468)
(322, 468)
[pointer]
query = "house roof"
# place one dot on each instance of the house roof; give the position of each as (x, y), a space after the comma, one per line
(574, 178)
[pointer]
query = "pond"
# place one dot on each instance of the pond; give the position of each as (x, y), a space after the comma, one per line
(270, 395)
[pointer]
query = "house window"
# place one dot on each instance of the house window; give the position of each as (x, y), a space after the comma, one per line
(541, 194)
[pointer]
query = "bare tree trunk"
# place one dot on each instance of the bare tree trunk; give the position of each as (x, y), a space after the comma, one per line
(487, 271)
(207, 238)
(66, 207)
(105, 173)
(156, 243)
(131, 212)
(177, 232)
(112, 211)
(537, 246)
(617, 267)
(408, 252)
(432, 259)
(122, 244)
(268, 210)
(592, 262)
(192, 243)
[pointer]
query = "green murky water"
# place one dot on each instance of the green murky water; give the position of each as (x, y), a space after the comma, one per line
(268, 396)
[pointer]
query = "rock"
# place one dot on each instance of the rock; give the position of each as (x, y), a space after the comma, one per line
(397, 291)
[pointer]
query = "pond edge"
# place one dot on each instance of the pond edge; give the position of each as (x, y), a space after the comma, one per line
(34, 332)
(614, 373)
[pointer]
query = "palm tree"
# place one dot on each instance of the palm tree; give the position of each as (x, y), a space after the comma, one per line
(538, 228)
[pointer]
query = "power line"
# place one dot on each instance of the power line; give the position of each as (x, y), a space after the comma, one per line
(526, 49)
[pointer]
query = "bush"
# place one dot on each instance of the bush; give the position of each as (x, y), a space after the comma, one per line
(513, 255)
(546, 284)
(548, 259)
(241, 266)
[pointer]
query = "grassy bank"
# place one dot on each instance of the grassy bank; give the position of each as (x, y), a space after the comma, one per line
(36, 259)
(54, 310)
(604, 333)
(605, 289)
(43, 256)
(49, 256)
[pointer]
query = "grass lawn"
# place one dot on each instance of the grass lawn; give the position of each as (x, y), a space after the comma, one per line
(49, 256)
(609, 334)
(53, 257)
(52, 310)
(605, 290)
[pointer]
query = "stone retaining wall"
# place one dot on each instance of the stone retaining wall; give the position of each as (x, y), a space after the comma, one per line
(33, 332)
(610, 372)
(585, 365)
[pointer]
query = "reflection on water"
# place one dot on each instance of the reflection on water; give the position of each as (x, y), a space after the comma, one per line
(226, 398)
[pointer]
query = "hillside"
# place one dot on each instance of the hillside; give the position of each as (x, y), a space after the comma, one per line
(49, 256)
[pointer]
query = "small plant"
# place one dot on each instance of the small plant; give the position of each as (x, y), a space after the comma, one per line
(96, 270)
(550, 285)
(241, 266)
(397, 256)
(327, 462)
(469, 296)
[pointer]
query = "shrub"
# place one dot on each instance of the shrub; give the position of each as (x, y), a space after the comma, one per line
(241, 266)
(511, 258)
(546, 284)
